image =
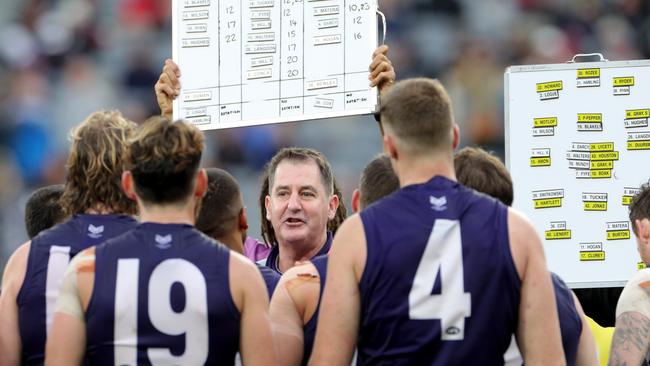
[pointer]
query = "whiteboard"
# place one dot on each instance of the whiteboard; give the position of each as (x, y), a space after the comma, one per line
(251, 62)
(578, 149)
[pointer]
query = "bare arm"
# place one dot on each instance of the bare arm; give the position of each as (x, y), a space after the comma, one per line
(287, 311)
(66, 342)
(12, 281)
(252, 300)
(538, 331)
(338, 321)
(631, 339)
(587, 354)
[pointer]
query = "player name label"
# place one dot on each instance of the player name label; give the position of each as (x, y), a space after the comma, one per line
(549, 90)
(588, 78)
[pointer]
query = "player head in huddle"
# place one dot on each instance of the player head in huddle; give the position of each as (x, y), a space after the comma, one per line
(95, 165)
(484, 172)
(162, 161)
(43, 210)
(640, 219)
(377, 181)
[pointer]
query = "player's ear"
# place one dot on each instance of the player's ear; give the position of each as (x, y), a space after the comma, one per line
(243, 220)
(390, 146)
(355, 200)
(456, 136)
(643, 228)
(127, 185)
(201, 183)
(333, 206)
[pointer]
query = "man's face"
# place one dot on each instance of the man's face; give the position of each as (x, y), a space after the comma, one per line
(299, 206)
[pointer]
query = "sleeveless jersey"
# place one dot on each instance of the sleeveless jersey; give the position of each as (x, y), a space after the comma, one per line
(271, 278)
(570, 322)
(440, 285)
(309, 329)
(49, 255)
(162, 296)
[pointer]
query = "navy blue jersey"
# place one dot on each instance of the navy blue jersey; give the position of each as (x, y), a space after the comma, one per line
(570, 321)
(162, 296)
(271, 278)
(309, 329)
(49, 255)
(440, 286)
(274, 255)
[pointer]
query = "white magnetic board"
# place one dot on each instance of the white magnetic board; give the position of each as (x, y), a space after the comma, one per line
(250, 62)
(578, 149)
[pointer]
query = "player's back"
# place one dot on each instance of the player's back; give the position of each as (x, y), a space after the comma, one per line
(162, 294)
(49, 255)
(439, 286)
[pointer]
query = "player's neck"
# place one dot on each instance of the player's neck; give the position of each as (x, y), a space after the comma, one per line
(233, 241)
(293, 252)
(168, 214)
(418, 171)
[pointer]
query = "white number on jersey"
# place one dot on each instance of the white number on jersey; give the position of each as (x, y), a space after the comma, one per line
(444, 254)
(192, 321)
(56, 267)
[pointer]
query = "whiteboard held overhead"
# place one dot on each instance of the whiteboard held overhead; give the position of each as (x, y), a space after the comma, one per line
(578, 148)
(251, 62)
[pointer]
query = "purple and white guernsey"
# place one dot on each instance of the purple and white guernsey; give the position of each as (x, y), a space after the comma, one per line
(49, 255)
(440, 286)
(162, 296)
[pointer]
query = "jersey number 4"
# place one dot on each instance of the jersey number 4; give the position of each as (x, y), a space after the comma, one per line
(191, 321)
(443, 254)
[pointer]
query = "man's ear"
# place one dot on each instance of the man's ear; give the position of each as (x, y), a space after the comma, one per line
(267, 207)
(356, 197)
(456, 136)
(243, 220)
(201, 183)
(643, 228)
(390, 146)
(128, 185)
(333, 206)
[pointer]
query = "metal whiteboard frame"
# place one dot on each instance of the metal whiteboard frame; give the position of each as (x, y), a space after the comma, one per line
(570, 65)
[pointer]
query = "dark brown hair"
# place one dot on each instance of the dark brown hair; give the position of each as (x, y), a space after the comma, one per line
(43, 209)
(95, 165)
(164, 158)
(331, 187)
(377, 181)
(484, 172)
(419, 112)
(221, 204)
(640, 206)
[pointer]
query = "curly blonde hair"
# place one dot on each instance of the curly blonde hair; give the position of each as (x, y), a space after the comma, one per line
(95, 164)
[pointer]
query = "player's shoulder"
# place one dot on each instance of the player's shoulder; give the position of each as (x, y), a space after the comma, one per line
(15, 269)
(636, 294)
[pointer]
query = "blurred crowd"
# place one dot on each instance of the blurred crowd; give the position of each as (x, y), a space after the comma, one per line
(62, 59)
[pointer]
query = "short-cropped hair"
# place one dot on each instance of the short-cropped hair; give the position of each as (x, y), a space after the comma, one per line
(640, 206)
(221, 204)
(95, 165)
(163, 157)
(484, 172)
(43, 209)
(419, 112)
(378, 180)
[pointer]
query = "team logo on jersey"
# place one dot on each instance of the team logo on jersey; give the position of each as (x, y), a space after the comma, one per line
(438, 204)
(95, 232)
(163, 242)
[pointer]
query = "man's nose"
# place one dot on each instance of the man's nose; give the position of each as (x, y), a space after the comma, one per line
(294, 201)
